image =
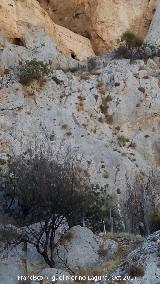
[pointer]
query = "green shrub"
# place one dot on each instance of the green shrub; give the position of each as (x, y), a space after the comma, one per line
(33, 70)
(131, 40)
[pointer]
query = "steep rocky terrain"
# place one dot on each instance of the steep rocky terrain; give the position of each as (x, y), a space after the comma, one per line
(109, 114)
(141, 266)
(103, 22)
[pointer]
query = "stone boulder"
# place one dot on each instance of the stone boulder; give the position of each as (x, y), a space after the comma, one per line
(80, 248)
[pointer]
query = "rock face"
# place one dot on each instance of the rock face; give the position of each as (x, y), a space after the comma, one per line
(154, 30)
(16, 17)
(102, 21)
(141, 265)
(81, 249)
(109, 114)
(80, 26)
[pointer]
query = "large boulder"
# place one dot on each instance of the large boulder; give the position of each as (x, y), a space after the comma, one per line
(80, 249)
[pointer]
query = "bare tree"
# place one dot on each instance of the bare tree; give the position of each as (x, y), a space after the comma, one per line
(41, 195)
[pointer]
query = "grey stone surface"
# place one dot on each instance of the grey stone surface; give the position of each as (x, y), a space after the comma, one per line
(154, 30)
(84, 249)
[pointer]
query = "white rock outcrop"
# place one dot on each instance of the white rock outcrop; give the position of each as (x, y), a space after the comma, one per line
(78, 248)
(153, 35)
(83, 249)
(110, 115)
(12, 265)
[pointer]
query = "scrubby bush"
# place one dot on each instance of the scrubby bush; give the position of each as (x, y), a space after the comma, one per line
(122, 52)
(32, 70)
(132, 47)
(143, 52)
(131, 40)
(102, 251)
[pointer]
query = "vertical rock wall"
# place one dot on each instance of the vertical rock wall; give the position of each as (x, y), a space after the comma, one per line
(101, 21)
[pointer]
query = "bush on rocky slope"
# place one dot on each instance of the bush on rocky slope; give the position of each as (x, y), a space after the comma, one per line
(131, 40)
(132, 47)
(33, 70)
(143, 52)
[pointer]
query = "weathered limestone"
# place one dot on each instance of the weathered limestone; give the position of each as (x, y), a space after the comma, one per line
(153, 35)
(111, 115)
(102, 21)
(18, 16)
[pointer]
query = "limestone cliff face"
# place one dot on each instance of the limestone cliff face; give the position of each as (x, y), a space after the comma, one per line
(111, 19)
(78, 26)
(154, 30)
(109, 114)
(72, 14)
(102, 21)
(17, 17)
